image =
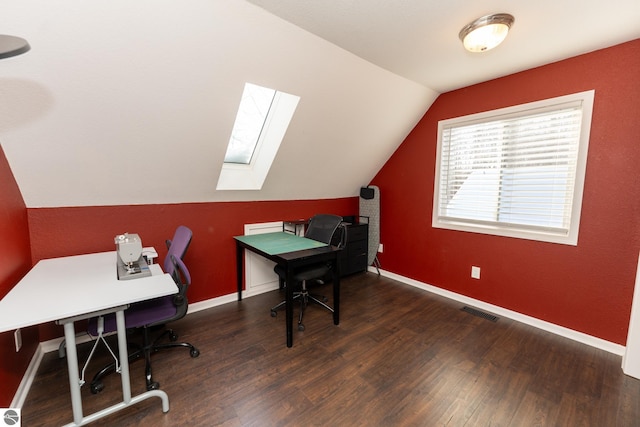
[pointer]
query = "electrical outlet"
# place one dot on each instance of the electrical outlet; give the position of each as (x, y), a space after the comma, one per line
(18, 337)
(380, 248)
(475, 272)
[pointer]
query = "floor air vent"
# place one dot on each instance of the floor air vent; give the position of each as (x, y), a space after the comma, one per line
(479, 313)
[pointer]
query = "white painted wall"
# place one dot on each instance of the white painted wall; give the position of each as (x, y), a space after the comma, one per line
(258, 270)
(118, 96)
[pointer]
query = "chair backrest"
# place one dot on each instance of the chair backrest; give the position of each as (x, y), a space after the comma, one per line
(182, 277)
(322, 226)
(177, 247)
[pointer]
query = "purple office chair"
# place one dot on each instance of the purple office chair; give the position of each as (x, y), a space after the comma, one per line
(177, 246)
(149, 314)
(321, 227)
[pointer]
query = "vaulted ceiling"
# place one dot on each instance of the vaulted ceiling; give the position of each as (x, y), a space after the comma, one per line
(125, 102)
(418, 39)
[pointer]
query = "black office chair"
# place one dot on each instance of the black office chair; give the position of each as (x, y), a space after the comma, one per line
(321, 227)
(147, 315)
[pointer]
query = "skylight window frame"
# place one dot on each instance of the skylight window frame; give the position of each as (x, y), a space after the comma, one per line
(237, 176)
(257, 125)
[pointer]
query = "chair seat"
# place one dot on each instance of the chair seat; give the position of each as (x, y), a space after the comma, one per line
(138, 315)
(308, 273)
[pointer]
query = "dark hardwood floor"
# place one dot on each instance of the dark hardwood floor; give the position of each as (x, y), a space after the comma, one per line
(400, 357)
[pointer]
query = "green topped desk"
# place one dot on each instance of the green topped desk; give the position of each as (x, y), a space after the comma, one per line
(291, 252)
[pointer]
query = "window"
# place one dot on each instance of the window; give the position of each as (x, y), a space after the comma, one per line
(261, 122)
(250, 120)
(516, 172)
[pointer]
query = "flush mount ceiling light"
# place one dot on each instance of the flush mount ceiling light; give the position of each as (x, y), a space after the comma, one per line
(12, 46)
(486, 33)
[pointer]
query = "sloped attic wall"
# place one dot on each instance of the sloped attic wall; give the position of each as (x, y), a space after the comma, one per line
(125, 102)
(586, 288)
(15, 261)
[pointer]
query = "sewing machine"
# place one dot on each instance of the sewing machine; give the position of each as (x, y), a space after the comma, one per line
(131, 264)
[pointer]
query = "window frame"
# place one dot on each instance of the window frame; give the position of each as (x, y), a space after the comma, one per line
(238, 176)
(257, 127)
(570, 237)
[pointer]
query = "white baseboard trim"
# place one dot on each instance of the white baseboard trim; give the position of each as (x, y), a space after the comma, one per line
(194, 307)
(522, 318)
(54, 344)
(23, 389)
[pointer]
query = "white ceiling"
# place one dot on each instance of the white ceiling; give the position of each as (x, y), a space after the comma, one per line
(418, 39)
(131, 102)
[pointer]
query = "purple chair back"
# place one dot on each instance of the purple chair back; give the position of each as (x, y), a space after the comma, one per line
(181, 276)
(177, 247)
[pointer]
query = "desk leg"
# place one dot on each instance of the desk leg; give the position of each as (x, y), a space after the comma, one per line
(74, 375)
(239, 268)
(125, 378)
(124, 357)
(336, 292)
(289, 306)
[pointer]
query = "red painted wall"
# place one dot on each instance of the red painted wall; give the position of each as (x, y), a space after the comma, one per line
(587, 287)
(211, 255)
(15, 261)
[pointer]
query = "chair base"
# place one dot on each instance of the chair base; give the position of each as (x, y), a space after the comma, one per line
(305, 297)
(146, 351)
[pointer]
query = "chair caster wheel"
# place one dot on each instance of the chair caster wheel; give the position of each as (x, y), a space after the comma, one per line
(300, 327)
(273, 313)
(195, 352)
(96, 387)
(153, 386)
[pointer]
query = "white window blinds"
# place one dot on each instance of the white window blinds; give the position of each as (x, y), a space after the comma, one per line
(513, 169)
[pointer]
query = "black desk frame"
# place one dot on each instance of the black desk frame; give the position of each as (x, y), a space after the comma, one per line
(291, 261)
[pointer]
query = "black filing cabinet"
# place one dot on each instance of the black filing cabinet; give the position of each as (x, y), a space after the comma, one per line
(353, 258)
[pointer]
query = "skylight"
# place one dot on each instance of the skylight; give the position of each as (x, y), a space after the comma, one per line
(261, 122)
(250, 120)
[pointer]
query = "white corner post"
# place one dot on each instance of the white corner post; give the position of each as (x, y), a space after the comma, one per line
(631, 358)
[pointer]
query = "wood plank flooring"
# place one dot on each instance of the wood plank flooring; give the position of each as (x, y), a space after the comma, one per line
(400, 357)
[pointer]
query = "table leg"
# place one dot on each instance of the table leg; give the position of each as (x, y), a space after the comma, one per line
(124, 357)
(289, 306)
(74, 375)
(74, 378)
(336, 292)
(239, 268)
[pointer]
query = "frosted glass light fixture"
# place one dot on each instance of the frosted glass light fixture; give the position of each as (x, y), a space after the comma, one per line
(486, 33)
(12, 46)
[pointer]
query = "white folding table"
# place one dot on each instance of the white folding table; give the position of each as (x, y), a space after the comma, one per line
(78, 287)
